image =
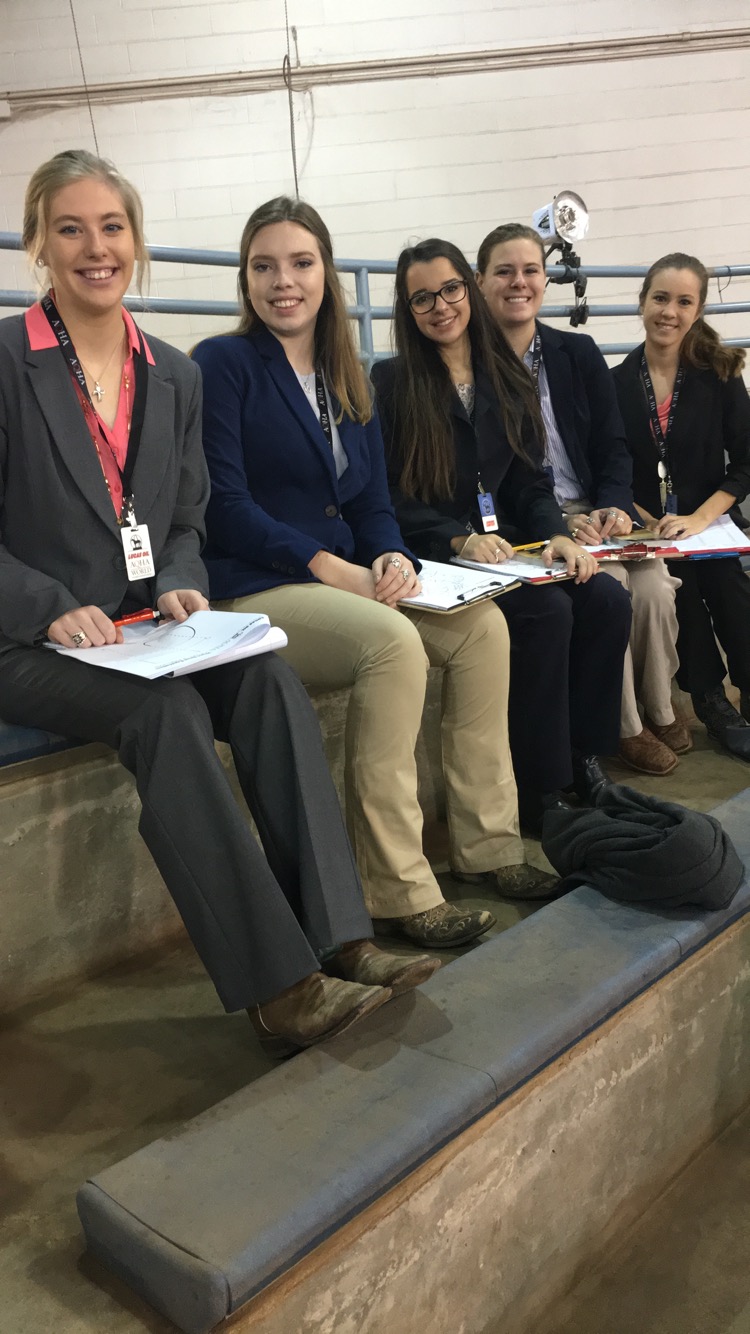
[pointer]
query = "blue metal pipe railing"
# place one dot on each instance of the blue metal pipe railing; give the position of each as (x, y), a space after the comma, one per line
(363, 311)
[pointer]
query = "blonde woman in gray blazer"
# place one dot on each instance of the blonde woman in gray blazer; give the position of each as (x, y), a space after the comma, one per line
(83, 393)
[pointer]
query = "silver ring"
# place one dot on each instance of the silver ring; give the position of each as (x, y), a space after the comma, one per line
(79, 638)
(612, 514)
(406, 574)
(573, 532)
(395, 561)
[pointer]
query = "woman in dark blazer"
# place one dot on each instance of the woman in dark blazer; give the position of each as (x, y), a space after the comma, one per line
(83, 397)
(683, 389)
(460, 418)
(591, 470)
(300, 525)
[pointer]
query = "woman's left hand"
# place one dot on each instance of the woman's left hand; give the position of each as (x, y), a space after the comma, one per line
(394, 578)
(581, 565)
(181, 602)
(612, 522)
(678, 526)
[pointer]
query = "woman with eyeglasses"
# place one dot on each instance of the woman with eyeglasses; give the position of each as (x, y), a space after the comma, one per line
(591, 472)
(687, 420)
(463, 434)
(300, 525)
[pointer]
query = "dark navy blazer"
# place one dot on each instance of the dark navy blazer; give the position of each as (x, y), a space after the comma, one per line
(275, 498)
(588, 417)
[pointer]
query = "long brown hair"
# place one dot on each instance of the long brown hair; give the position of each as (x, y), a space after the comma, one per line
(334, 349)
(77, 164)
(424, 390)
(701, 347)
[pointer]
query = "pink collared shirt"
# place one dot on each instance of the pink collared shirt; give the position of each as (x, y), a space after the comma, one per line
(110, 442)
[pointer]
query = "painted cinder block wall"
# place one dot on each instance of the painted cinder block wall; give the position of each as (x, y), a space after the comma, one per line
(659, 147)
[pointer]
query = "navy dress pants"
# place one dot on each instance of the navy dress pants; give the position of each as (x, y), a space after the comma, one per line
(713, 603)
(567, 646)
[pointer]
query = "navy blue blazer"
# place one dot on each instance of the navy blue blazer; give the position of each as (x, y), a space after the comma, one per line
(275, 498)
(588, 417)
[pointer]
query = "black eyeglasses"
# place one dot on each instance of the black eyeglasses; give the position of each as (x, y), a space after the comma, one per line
(423, 302)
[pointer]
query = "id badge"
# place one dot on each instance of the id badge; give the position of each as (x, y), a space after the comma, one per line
(136, 544)
(487, 512)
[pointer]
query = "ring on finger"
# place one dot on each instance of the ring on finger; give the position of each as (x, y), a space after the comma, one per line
(395, 561)
(79, 637)
(406, 574)
(573, 532)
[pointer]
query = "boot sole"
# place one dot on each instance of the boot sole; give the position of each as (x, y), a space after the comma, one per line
(652, 773)
(389, 927)
(279, 1047)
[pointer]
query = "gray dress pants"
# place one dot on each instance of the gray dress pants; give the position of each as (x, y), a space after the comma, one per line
(258, 923)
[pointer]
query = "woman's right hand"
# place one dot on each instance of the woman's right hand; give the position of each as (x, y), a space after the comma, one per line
(89, 621)
(488, 548)
(344, 574)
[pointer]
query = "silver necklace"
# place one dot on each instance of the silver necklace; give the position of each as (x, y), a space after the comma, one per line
(97, 390)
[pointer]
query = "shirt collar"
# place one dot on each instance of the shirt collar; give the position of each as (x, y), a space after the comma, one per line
(41, 336)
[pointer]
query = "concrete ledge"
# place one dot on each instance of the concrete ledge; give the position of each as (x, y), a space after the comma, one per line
(261, 1181)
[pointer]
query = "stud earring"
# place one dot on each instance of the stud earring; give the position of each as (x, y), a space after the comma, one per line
(40, 262)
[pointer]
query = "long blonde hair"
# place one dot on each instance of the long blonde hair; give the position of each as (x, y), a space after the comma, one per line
(334, 349)
(76, 164)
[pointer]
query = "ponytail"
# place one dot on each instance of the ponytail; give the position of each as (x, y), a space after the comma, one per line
(703, 349)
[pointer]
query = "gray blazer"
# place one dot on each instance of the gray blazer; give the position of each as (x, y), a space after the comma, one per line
(60, 544)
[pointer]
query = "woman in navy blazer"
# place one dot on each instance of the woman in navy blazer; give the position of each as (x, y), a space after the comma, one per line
(591, 468)
(300, 525)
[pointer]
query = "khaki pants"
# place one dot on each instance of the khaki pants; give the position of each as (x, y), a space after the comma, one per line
(651, 658)
(337, 639)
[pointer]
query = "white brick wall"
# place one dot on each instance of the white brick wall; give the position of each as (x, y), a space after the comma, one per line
(659, 148)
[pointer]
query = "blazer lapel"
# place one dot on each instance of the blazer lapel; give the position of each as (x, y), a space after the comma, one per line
(51, 383)
(294, 397)
(560, 380)
(154, 451)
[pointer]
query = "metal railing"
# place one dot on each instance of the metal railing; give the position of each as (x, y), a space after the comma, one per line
(363, 310)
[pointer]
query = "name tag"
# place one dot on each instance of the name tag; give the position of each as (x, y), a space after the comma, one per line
(136, 544)
(487, 512)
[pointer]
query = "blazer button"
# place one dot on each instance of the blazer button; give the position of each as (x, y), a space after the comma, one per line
(118, 562)
(331, 511)
(275, 565)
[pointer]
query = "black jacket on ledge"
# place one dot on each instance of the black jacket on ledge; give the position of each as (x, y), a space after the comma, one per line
(524, 501)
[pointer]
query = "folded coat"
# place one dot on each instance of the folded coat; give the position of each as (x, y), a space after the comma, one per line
(639, 849)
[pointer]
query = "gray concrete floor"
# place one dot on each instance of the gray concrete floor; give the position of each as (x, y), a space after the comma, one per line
(90, 1076)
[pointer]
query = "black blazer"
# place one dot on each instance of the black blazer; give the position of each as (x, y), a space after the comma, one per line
(588, 418)
(524, 500)
(712, 421)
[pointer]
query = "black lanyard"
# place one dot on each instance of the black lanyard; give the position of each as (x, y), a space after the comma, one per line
(536, 360)
(325, 416)
(661, 438)
(139, 402)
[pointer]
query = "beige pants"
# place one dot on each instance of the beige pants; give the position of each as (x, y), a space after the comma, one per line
(651, 658)
(339, 639)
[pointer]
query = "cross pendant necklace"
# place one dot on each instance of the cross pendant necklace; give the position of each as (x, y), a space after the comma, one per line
(97, 391)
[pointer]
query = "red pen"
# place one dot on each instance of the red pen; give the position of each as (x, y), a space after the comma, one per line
(135, 616)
